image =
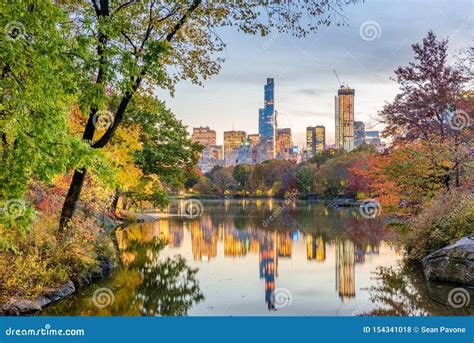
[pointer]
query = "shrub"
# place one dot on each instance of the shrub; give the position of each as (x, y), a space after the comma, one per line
(40, 261)
(445, 219)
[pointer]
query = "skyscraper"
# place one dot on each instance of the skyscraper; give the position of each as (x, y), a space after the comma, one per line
(283, 144)
(212, 153)
(310, 140)
(359, 133)
(204, 135)
(344, 111)
(320, 138)
(266, 116)
(373, 137)
(232, 140)
(253, 138)
(315, 139)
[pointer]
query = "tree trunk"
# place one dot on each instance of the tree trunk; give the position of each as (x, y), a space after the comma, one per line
(72, 198)
(114, 204)
(77, 182)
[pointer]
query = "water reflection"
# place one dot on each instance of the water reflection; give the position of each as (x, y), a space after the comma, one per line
(227, 262)
(403, 291)
(146, 284)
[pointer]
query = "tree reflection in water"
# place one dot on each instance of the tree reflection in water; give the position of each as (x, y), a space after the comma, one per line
(403, 291)
(145, 285)
(169, 287)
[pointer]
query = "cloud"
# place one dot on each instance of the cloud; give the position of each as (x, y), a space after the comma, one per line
(308, 91)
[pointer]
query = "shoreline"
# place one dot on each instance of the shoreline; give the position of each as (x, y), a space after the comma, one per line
(28, 307)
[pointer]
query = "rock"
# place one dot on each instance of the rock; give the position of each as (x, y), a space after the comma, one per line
(448, 294)
(105, 267)
(454, 263)
(60, 292)
(17, 307)
(21, 307)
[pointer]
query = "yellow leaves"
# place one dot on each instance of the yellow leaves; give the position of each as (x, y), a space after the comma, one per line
(121, 152)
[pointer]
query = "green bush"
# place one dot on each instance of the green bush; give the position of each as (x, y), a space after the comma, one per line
(445, 219)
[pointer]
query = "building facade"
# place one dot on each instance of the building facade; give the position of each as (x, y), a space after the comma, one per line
(232, 140)
(283, 144)
(344, 115)
(359, 133)
(204, 135)
(315, 140)
(373, 137)
(320, 138)
(266, 116)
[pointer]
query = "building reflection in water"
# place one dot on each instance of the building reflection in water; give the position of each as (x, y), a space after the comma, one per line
(203, 239)
(315, 248)
(345, 269)
(207, 233)
(268, 263)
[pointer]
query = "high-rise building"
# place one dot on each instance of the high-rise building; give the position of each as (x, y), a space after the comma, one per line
(359, 133)
(232, 140)
(310, 140)
(320, 138)
(241, 155)
(344, 111)
(373, 137)
(264, 151)
(204, 135)
(283, 144)
(253, 138)
(315, 139)
(266, 116)
(294, 153)
(211, 156)
(212, 153)
(216, 151)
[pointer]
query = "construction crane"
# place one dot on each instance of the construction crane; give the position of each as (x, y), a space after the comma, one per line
(337, 77)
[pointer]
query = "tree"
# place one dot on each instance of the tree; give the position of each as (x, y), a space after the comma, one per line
(168, 156)
(37, 87)
(241, 174)
(306, 178)
(126, 46)
(321, 157)
(222, 179)
(426, 109)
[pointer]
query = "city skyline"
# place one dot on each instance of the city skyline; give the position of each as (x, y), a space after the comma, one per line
(305, 90)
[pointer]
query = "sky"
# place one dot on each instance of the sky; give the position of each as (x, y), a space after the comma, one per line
(376, 40)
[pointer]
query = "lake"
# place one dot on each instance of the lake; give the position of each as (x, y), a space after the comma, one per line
(259, 258)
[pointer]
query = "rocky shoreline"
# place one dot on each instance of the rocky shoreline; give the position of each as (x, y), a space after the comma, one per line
(25, 306)
(453, 263)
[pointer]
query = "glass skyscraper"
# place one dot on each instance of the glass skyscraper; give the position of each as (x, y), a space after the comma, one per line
(266, 115)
